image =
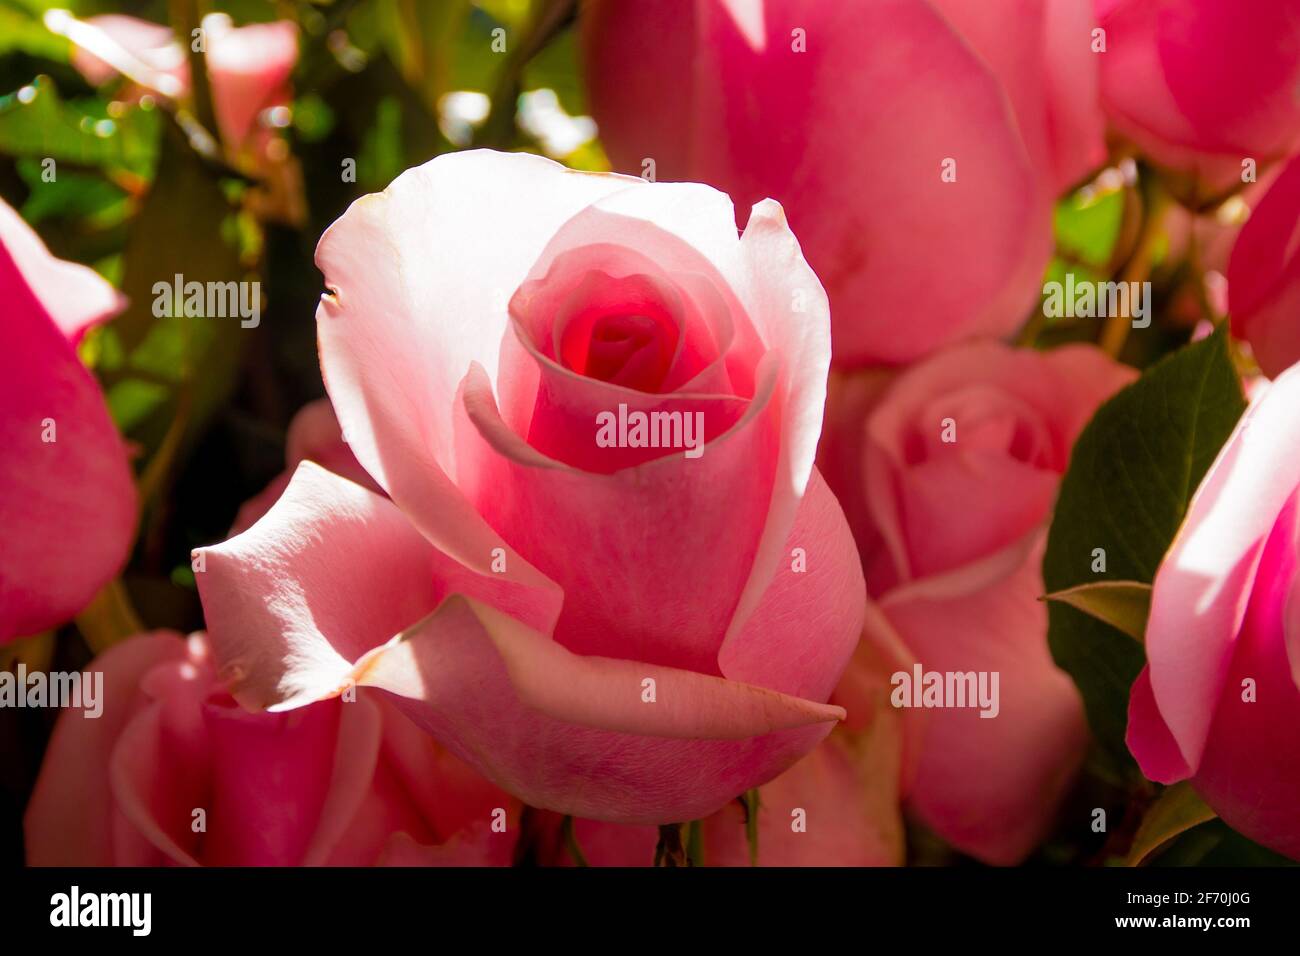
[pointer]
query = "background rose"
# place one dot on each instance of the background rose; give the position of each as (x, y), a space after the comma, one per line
(248, 66)
(611, 566)
(716, 92)
(337, 783)
(67, 505)
(951, 535)
(1198, 85)
(1224, 610)
(1264, 276)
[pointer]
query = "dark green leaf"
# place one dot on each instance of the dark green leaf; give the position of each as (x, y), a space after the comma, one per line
(1175, 811)
(1131, 476)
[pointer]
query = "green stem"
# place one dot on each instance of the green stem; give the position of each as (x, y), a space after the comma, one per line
(571, 843)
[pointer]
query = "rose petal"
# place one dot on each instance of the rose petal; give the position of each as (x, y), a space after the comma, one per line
(577, 734)
(1264, 275)
(331, 571)
(67, 504)
(765, 121)
(804, 630)
(391, 366)
(1148, 736)
(1037, 739)
(249, 67)
(1201, 589)
(1249, 774)
(76, 297)
(647, 593)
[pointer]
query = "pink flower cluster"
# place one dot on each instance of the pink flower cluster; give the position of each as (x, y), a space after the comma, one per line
(458, 619)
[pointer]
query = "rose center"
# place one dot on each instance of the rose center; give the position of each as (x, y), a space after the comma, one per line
(629, 349)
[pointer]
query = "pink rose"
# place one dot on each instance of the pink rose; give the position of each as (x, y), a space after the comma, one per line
(1202, 85)
(849, 114)
(67, 499)
(248, 66)
(949, 473)
(1264, 276)
(174, 772)
(1220, 696)
(626, 633)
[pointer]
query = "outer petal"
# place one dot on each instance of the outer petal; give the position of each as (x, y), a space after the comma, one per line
(330, 572)
(991, 786)
(1041, 52)
(580, 735)
(1203, 585)
(1264, 276)
(847, 804)
(67, 505)
(561, 731)
(1148, 736)
(76, 297)
(1249, 773)
(803, 632)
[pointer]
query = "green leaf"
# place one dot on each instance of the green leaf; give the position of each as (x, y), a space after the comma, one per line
(1131, 476)
(1124, 605)
(1087, 226)
(1174, 812)
(35, 121)
(24, 33)
(71, 195)
(174, 370)
(695, 843)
